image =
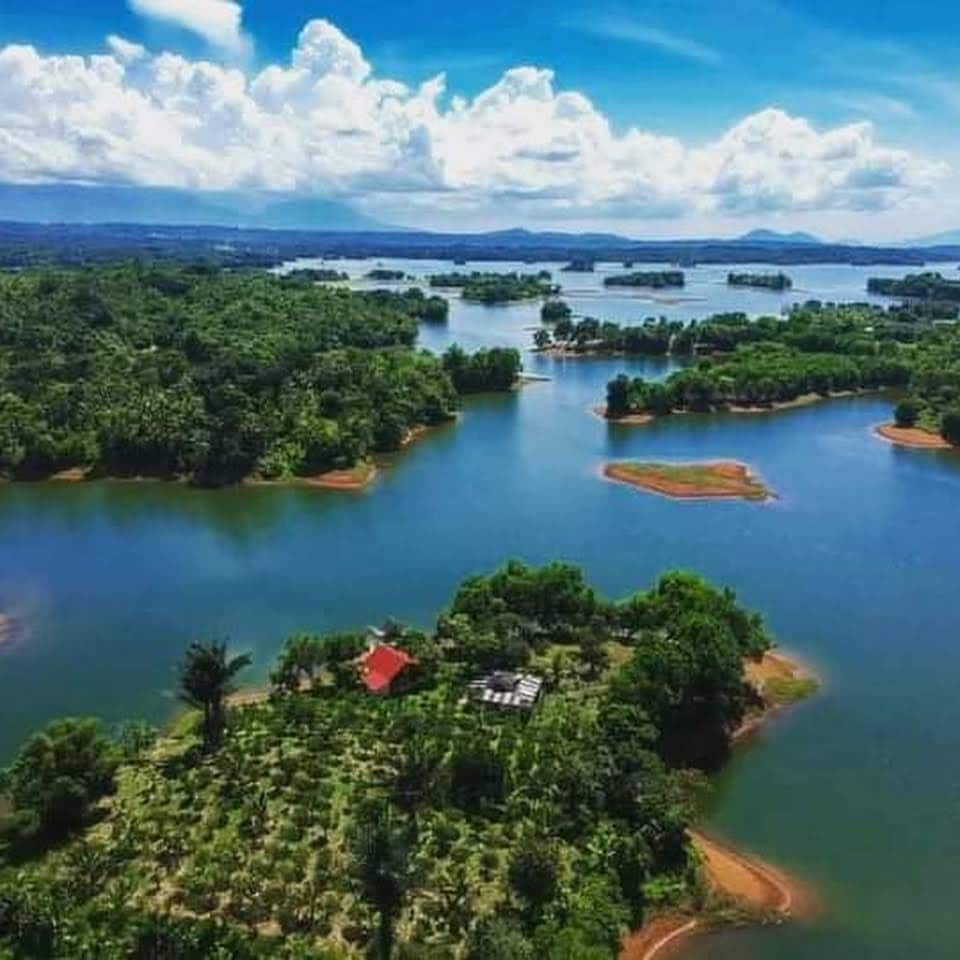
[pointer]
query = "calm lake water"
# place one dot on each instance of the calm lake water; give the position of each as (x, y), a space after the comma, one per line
(855, 566)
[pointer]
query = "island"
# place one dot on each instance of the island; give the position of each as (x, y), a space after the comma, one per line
(492, 288)
(578, 266)
(764, 281)
(523, 776)
(216, 376)
(316, 275)
(656, 279)
(714, 480)
(382, 274)
(771, 363)
(554, 310)
(916, 286)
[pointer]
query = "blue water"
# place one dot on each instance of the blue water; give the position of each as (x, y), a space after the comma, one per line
(855, 566)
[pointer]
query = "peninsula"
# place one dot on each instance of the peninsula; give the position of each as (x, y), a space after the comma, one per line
(479, 767)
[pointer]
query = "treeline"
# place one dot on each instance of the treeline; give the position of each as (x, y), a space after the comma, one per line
(933, 399)
(767, 281)
(649, 278)
(414, 302)
(208, 375)
(488, 370)
(412, 825)
(498, 287)
(758, 375)
(812, 328)
(918, 286)
(316, 275)
(816, 348)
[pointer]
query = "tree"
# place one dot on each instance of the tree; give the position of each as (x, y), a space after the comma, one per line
(379, 865)
(542, 339)
(533, 872)
(61, 772)
(206, 680)
(497, 938)
(950, 426)
(618, 396)
(906, 412)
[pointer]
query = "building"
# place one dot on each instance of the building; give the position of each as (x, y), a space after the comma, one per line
(381, 665)
(505, 689)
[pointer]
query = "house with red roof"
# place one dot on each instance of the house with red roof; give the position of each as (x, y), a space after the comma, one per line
(381, 665)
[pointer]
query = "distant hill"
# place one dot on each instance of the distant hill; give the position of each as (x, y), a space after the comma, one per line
(771, 236)
(77, 203)
(947, 238)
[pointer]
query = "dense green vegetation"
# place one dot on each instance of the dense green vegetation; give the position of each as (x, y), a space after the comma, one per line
(919, 286)
(327, 823)
(554, 310)
(317, 275)
(767, 281)
(215, 376)
(493, 369)
(414, 302)
(498, 287)
(383, 274)
(649, 278)
(815, 349)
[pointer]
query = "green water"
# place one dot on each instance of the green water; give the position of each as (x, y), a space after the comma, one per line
(855, 566)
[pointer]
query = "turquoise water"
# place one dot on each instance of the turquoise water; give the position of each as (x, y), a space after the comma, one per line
(855, 566)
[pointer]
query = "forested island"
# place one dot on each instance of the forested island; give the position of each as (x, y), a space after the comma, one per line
(815, 351)
(764, 281)
(316, 275)
(208, 375)
(656, 279)
(917, 286)
(524, 788)
(385, 275)
(578, 266)
(430, 309)
(498, 287)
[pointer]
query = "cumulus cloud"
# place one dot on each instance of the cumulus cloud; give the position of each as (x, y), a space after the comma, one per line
(325, 123)
(217, 21)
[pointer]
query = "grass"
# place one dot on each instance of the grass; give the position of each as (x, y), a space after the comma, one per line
(692, 480)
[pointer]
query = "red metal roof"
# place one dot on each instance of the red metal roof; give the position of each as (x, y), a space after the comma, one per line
(381, 665)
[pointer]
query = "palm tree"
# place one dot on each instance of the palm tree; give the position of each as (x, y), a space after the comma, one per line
(206, 680)
(380, 852)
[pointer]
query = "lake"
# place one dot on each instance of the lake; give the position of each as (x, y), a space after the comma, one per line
(857, 791)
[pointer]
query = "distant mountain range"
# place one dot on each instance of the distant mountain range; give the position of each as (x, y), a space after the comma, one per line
(771, 236)
(76, 203)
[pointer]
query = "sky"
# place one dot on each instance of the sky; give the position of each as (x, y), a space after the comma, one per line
(669, 118)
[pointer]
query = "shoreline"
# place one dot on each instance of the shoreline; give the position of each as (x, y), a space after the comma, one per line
(911, 438)
(748, 884)
(729, 480)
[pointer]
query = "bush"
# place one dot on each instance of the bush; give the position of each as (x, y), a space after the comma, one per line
(61, 772)
(906, 412)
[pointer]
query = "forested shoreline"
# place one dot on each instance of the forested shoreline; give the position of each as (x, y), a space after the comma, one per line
(209, 375)
(416, 825)
(816, 349)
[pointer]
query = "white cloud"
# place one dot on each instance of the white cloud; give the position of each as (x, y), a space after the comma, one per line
(324, 123)
(124, 50)
(217, 21)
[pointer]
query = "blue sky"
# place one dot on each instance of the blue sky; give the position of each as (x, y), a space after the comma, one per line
(644, 122)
